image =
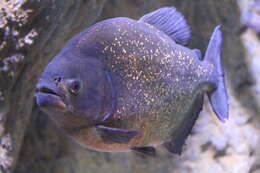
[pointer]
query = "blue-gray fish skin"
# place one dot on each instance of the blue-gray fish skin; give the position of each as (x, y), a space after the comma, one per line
(126, 84)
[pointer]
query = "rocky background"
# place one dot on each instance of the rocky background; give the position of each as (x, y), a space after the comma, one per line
(33, 31)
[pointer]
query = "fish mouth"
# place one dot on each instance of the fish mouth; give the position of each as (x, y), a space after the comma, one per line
(48, 99)
(46, 90)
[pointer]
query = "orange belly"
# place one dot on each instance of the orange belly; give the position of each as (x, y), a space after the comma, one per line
(89, 138)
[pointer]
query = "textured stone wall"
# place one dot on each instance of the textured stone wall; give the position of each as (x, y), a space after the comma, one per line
(32, 32)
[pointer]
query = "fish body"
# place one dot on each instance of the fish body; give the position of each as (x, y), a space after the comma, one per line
(141, 86)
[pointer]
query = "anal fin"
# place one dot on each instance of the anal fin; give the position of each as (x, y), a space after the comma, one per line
(178, 138)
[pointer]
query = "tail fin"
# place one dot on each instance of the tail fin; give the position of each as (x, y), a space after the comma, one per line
(218, 98)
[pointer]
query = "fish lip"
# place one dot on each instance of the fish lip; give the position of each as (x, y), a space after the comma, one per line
(46, 90)
(51, 101)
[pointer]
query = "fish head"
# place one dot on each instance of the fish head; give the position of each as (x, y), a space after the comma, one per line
(74, 90)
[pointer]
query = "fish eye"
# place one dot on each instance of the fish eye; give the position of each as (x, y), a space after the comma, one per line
(74, 86)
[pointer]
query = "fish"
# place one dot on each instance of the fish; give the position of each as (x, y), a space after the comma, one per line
(126, 85)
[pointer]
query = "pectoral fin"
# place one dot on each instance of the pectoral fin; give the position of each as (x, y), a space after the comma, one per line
(115, 135)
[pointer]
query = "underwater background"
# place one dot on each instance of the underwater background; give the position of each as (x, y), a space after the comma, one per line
(32, 32)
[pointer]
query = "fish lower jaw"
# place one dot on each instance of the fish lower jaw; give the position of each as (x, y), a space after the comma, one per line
(50, 102)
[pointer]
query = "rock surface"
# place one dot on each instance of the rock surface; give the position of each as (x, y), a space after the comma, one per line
(32, 32)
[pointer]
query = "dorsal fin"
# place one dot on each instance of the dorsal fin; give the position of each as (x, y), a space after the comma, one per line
(171, 22)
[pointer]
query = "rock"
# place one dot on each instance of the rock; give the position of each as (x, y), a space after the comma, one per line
(251, 15)
(31, 32)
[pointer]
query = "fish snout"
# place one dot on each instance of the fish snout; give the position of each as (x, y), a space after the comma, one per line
(49, 86)
(47, 96)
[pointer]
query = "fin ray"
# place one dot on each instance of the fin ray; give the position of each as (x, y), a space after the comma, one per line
(171, 22)
(218, 98)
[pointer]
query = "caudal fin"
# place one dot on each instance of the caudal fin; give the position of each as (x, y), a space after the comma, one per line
(218, 98)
